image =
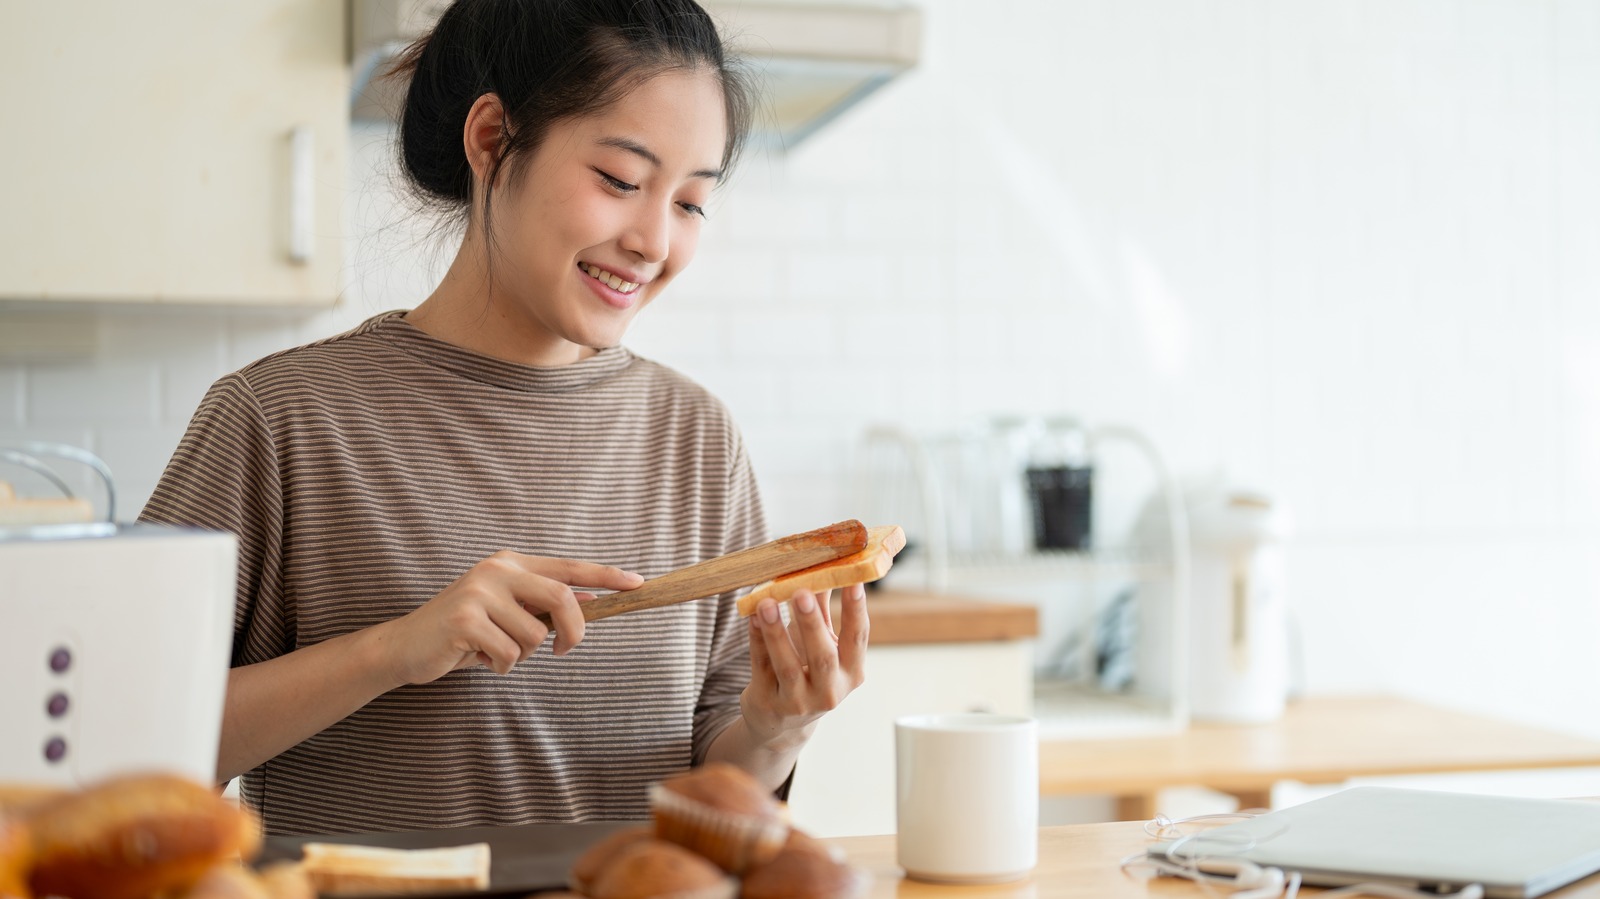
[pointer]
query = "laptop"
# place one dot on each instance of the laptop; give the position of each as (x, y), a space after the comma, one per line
(1515, 848)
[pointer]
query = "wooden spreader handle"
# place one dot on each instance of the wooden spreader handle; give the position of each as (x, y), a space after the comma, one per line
(732, 571)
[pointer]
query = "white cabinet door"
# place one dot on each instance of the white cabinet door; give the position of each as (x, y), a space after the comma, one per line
(147, 154)
(844, 784)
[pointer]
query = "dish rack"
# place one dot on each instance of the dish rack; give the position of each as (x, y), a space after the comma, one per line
(63, 516)
(973, 530)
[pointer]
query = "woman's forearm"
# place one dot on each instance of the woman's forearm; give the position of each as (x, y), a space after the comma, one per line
(272, 706)
(769, 762)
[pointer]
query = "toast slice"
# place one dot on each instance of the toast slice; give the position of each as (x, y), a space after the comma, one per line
(865, 566)
(338, 869)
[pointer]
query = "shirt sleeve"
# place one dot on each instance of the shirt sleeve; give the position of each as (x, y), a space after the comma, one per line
(729, 669)
(224, 476)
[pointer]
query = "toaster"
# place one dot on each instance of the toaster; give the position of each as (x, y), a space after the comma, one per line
(115, 643)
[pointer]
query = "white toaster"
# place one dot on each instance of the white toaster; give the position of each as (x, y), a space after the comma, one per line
(114, 650)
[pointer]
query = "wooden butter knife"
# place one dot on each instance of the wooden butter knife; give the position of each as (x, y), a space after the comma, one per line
(755, 565)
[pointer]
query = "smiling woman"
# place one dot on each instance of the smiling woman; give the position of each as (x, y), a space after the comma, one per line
(411, 494)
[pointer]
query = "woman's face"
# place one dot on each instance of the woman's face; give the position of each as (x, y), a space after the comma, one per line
(607, 211)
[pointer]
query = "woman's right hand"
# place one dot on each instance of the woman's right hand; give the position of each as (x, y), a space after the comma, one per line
(486, 617)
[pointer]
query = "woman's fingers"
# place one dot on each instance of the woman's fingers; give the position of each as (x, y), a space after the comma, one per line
(825, 603)
(585, 574)
(786, 664)
(816, 638)
(541, 594)
(511, 618)
(760, 661)
(854, 627)
(498, 650)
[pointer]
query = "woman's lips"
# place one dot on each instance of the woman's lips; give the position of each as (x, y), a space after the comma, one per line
(616, 290)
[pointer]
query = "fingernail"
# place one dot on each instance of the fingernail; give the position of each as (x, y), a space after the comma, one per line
(805, 602)
(634, 575)
(768, 610)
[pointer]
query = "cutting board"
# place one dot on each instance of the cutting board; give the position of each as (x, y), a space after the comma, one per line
(524, 859)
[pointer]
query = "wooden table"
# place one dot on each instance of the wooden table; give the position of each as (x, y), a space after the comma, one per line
(1075, 862)
(1317, 741)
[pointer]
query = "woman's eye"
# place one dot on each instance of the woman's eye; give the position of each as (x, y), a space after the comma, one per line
(617, 184)
(693, 209)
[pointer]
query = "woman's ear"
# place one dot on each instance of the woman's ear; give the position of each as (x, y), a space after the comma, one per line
(482, 136)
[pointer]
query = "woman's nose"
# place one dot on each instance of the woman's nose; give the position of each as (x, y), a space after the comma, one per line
(648, 233)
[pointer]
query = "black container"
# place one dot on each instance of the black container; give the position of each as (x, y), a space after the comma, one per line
(1062, 498)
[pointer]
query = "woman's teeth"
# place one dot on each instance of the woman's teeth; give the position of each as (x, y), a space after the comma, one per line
(608, 279)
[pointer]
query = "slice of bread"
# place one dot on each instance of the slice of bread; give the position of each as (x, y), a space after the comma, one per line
(862, 567)
(338, 869)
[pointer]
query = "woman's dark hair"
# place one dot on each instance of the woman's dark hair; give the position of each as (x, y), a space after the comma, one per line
(547, 60)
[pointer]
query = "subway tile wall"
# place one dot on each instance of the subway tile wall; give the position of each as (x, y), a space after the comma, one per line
(1348, 251)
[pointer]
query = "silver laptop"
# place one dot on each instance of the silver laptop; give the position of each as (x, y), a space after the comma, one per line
(1515, 848)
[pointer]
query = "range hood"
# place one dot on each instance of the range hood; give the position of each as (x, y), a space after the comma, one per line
(812, 61)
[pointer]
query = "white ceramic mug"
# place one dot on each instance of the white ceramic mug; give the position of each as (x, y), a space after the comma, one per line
(967, 797)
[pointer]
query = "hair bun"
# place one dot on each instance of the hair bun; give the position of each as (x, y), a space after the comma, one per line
(546, 61)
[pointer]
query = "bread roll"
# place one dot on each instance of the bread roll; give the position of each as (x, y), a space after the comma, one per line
(16, 857)
(134, 837)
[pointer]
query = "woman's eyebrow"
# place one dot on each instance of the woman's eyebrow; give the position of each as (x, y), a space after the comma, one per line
(643, 152)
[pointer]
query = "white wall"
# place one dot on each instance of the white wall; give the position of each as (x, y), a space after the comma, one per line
(1348, 250)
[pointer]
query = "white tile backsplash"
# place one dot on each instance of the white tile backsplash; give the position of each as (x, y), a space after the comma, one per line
(13, 388)
(100, 392)
(1345, 251)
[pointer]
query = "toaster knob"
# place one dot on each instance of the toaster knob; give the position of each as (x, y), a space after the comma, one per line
(55, 749)
(57, 706)
(61, 660)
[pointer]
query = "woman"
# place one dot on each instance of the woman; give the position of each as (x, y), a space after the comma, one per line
(408, 494)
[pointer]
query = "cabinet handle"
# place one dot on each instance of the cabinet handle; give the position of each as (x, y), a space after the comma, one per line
(302, 193)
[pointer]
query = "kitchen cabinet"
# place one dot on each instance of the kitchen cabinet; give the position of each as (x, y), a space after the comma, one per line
(181, 152)
(927, 655)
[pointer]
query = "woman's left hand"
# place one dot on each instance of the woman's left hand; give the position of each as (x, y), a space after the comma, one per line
(802, 671)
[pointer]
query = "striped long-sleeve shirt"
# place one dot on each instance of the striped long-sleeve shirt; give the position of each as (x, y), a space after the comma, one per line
(364, 473)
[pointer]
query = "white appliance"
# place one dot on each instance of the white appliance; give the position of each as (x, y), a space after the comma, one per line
(1238, 631)
(115, 645)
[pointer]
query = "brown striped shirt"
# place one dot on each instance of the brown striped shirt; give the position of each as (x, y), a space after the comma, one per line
(365, 472)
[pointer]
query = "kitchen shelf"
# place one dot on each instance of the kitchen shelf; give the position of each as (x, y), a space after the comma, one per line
(1153, 565)
(1068, 563)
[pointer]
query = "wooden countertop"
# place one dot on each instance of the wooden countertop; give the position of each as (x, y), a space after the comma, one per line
(1318, 740)
(1079, 861)
(905, 617)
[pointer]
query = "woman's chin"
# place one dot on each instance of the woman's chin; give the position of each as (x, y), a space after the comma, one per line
(597, 338)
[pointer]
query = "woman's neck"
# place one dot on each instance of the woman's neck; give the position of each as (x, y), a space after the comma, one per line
(466, 310)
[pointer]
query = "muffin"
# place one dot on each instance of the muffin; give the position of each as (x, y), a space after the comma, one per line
(656, 869)
(135, 837)
(722, 813)
(800, 841)
(805, 869)
(589, 865)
